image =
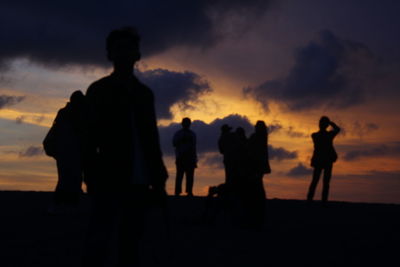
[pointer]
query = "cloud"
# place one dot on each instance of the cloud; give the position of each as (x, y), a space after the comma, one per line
(32, 151)
(373, 151)
(274, 127)
(213, 160)
(325, 74)
(7, 100)
(39, 119)
(280, 153)
(20, 119)
(362, 129)
(23, 118)
(295, 134)
(74, 31)
(208, 134)
(171, 87)
(300, 170)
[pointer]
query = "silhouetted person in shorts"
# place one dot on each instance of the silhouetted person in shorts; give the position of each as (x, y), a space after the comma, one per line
(69, 131)
(184, 142)
(258, 164)
(323, 157)
(125, 158)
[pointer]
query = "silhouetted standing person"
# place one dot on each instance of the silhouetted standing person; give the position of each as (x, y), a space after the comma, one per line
(240, 158)
(69, 133)
(258, 165)
(323, 157)
(125, 156)
(226, 144)
(184, 142)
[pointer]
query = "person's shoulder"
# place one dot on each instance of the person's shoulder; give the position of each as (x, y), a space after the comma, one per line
(144, 89)
(61, 113)
(98, 85)
(251, 138)
(177, 131)
(180, 132)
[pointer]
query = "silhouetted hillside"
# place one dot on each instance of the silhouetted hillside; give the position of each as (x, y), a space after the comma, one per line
(296, 234)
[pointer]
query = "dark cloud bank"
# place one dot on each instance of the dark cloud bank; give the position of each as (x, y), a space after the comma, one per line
(170, 87)
(208, 134)
(325, 74)
(73, 32)
(7, 100)
(372, 151)
(300, 171)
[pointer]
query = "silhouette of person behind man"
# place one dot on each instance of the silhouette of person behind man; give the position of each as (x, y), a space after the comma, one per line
(124, 155)
(69, 134)
(226, 144)
(323, 157)
(241, 158)
(233, 146)
(253, 188)
(184, 142)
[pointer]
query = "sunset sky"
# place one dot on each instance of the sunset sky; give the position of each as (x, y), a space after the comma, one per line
(236, 62)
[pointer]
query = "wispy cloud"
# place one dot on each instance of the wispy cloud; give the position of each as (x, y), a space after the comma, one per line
(32, 151)
(300, 171)
(7, 100)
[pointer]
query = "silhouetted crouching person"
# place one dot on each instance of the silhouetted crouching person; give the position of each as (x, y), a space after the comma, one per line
(125, 156)
(323, 157)
(68, 132)
(254, 196)
(225, 197)
(184, 142)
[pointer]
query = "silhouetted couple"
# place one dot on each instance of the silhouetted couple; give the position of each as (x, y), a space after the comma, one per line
(124, 162)
(184, 142)
(323, 157)
(246, 161)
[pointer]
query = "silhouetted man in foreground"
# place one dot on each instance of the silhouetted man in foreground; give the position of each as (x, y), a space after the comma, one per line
(126, 165)
(184, 142)
(323, 157)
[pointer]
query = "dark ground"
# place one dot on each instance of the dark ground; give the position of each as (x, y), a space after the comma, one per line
(295, 234)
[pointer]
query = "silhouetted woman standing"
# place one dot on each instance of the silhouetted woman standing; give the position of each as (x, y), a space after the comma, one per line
(69, 125)
(258, 165)
(323, 157)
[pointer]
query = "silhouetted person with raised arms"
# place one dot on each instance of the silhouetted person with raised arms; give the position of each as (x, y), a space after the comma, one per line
(323, 157)
(184, 142)
(125, 157)
(67, 144)
(258, 164)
